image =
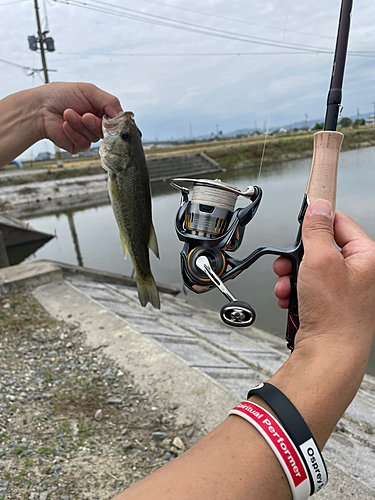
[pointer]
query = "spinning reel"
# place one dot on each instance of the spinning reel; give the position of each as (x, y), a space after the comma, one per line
(210, 227)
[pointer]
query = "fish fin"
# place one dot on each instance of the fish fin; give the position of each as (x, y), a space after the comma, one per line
(153, 242)
(123, 246)
(147, 291)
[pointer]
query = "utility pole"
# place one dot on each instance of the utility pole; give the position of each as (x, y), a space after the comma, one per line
(41, 44)
(50, 47)
(373, 121)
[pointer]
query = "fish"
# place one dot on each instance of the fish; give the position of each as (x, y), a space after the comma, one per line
(122, 156)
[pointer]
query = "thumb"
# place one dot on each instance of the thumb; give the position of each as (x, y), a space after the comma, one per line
(317, 229)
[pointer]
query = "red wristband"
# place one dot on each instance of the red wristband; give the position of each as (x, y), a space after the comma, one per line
(281, 445)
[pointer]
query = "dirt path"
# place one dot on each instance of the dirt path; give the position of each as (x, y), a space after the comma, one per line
(72, 424)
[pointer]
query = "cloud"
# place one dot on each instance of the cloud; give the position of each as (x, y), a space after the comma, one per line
(133, 60)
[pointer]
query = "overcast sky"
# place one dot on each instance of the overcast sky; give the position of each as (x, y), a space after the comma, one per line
(179, 81)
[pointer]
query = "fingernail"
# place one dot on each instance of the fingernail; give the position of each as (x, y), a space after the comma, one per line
(90, 123)
(321, 207)
(71, 118)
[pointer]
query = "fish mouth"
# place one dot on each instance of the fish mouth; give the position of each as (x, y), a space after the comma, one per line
(112, 125)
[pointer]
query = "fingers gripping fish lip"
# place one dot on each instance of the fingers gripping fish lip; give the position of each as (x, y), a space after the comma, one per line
(112, 125)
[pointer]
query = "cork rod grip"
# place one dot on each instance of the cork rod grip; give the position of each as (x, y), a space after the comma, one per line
(323, 175)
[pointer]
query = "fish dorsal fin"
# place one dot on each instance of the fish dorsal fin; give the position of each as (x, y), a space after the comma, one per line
(123, 246)
(153, 242)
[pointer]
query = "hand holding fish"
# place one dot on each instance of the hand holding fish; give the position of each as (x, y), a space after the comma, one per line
(67, 113)
(72, 114)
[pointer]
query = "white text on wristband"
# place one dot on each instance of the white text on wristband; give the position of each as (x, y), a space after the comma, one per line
(281, 445)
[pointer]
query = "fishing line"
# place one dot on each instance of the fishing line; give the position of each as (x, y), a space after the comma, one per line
(213, 196)
(272, 98)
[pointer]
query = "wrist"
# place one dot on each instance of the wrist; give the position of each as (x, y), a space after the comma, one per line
(35, 104)
(22, 124)
(313, 379)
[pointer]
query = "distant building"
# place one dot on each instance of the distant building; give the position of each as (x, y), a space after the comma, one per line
(370, 120)
(43, 156)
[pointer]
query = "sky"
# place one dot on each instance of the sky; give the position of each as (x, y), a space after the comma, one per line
(192, 68)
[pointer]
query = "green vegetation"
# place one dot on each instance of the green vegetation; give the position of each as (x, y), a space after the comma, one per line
(284, 149)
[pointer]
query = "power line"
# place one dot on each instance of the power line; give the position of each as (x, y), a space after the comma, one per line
(242, 21)
(26, 68)
(190, 54)
(191, 27)
(11, 3)
(186, 54)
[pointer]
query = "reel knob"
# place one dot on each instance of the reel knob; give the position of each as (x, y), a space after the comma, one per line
(237, 313)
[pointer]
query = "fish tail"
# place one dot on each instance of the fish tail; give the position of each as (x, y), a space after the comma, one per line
(147, 291)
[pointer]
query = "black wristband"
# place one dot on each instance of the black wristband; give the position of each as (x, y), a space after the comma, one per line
(298, 431)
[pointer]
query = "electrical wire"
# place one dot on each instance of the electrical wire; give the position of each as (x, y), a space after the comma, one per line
(34, 70)
(208, 54)
(11, 3)
(243, 21)
(25, 68)
(45, 20)
(191, 27)
(191, 54)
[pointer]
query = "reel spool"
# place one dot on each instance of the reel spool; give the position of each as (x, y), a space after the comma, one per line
(210, 217)
(211, 207)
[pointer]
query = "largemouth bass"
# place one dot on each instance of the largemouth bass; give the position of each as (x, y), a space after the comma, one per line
(122, 156)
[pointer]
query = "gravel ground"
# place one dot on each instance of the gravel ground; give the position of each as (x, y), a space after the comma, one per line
(72, 424)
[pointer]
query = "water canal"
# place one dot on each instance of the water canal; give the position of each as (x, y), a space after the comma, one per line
(90, 237)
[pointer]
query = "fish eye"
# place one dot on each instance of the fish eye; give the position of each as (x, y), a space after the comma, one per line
(125, 135)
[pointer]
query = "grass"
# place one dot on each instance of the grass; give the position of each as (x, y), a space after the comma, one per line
(229, 153)
(19, 314)
(284, 149)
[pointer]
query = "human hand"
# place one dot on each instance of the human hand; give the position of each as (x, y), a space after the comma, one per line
(71, 113)
(336, 288)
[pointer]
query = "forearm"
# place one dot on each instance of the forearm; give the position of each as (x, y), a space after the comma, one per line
(234, 461)
(20, 123)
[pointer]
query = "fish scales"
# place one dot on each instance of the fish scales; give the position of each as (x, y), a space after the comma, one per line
(123, 158)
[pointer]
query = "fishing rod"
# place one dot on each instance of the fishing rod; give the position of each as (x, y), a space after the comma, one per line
(211, 229)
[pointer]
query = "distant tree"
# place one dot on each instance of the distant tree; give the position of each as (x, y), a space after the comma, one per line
(345, 122)
(359, 122)
(318, 126)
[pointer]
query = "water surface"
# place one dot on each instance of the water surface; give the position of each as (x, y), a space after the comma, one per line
(90, 237)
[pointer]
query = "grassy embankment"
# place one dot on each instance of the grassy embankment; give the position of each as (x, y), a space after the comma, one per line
(229, 153)
(285, 149)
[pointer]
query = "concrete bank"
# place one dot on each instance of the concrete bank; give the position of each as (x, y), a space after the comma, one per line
(189, 357)
(51, 187)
